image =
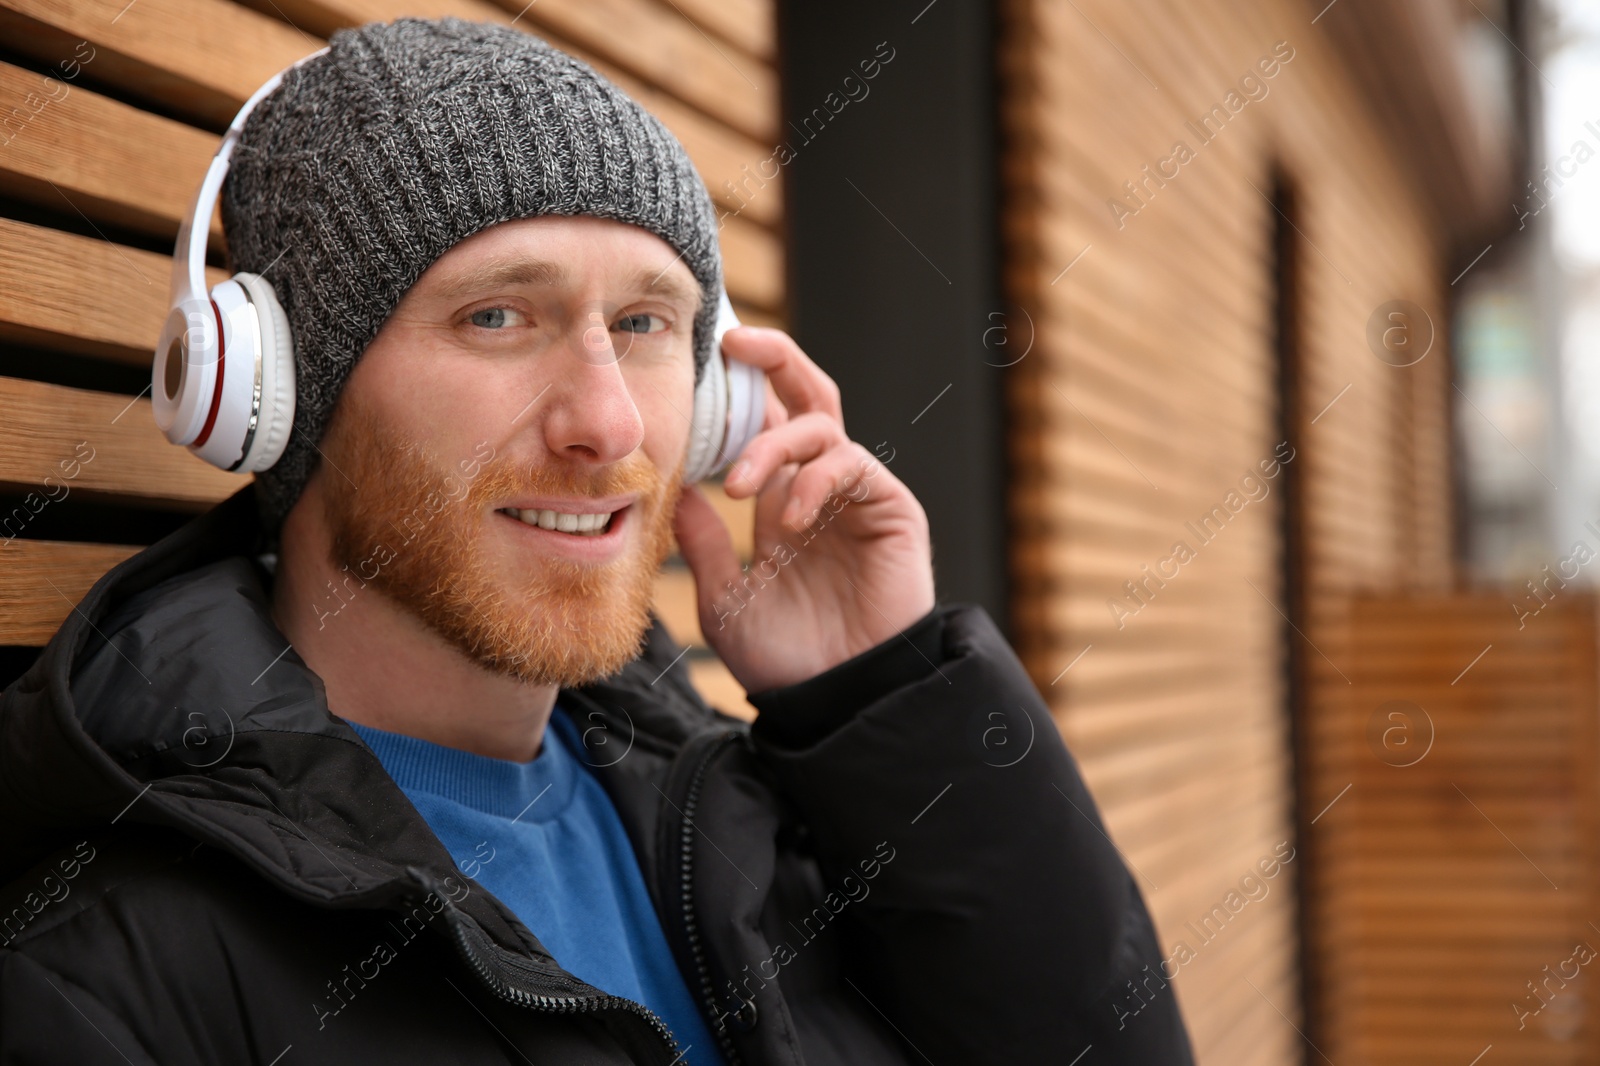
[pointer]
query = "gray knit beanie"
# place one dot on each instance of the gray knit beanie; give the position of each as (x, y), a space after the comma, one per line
(368, 163)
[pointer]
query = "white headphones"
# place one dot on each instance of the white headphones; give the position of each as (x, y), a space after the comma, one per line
(238, 416)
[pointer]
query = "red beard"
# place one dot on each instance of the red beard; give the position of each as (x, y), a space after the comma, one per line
(540, 619)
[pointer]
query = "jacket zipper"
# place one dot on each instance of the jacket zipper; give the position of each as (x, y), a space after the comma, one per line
(512, 993)
(686, 866)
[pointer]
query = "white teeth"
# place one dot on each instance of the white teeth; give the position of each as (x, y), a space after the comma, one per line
(581, 524)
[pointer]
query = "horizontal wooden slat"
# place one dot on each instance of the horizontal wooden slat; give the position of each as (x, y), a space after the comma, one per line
(754, 316)
(126, 456)
(658, 44)
(737, 515)
(748, 24)
(1462, 860)
(59, 290)
(753, 261)
(84, 152)
(42, 581)
(188, 55)
(213, 94)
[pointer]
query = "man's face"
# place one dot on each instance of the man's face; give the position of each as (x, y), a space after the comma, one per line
(539, 373)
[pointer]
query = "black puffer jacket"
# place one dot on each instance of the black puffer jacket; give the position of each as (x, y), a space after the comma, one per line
(897, 863)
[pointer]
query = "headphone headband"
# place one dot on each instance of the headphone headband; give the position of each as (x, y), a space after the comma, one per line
(189, 264)
(187, 373)
(224, 368)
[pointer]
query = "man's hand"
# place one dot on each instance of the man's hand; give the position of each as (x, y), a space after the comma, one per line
(842, 555)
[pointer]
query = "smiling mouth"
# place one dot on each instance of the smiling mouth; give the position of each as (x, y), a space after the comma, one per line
(579, 525)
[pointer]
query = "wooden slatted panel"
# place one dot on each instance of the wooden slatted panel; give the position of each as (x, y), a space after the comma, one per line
(163, 34)
(124, 456)
(116, 162)
(1148, 395)
(1465, 847)
(42, 581)
(121, 144)
(82, 294)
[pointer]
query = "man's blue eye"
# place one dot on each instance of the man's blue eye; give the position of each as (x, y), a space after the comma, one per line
(635, 323)
(489, 317)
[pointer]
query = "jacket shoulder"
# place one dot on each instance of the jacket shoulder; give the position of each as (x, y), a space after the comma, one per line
(76, 877)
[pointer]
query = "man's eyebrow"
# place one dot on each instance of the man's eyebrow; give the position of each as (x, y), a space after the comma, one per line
(502, 273)
(668, 285)
(545, 272)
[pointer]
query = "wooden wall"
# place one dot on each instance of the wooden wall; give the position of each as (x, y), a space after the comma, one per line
(1467, 916)
(1149, 395)
(111, 113)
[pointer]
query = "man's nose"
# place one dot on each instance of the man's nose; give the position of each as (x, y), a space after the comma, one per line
(592, 414)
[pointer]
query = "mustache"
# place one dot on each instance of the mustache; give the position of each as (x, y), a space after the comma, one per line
(634, 475)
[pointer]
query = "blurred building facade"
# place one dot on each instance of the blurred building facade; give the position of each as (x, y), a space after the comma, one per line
(1238, 228)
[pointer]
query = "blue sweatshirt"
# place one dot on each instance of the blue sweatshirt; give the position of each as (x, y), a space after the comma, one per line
(544, 838)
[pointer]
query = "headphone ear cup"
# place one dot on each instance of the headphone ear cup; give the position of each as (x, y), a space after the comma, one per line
(747, 407)
(277, 375)
(710, 423)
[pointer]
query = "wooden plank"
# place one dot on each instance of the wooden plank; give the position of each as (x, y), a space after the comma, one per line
(1445, 865)
(753, 265)
(662, 48)
(753, 316)
(41, 298)
(750, 25)
(738, 515)
(204, 58)
(114, 163)
(42, 581)
(59, 290)
(123, 455)
(142, 63)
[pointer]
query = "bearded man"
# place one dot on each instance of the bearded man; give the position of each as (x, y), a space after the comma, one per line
(386, 758)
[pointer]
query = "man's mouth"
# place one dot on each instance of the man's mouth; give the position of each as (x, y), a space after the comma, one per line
(582, 525)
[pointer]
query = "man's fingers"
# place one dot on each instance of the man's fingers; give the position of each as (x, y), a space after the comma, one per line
(840, 477)
(799, 382)
(798, 440)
